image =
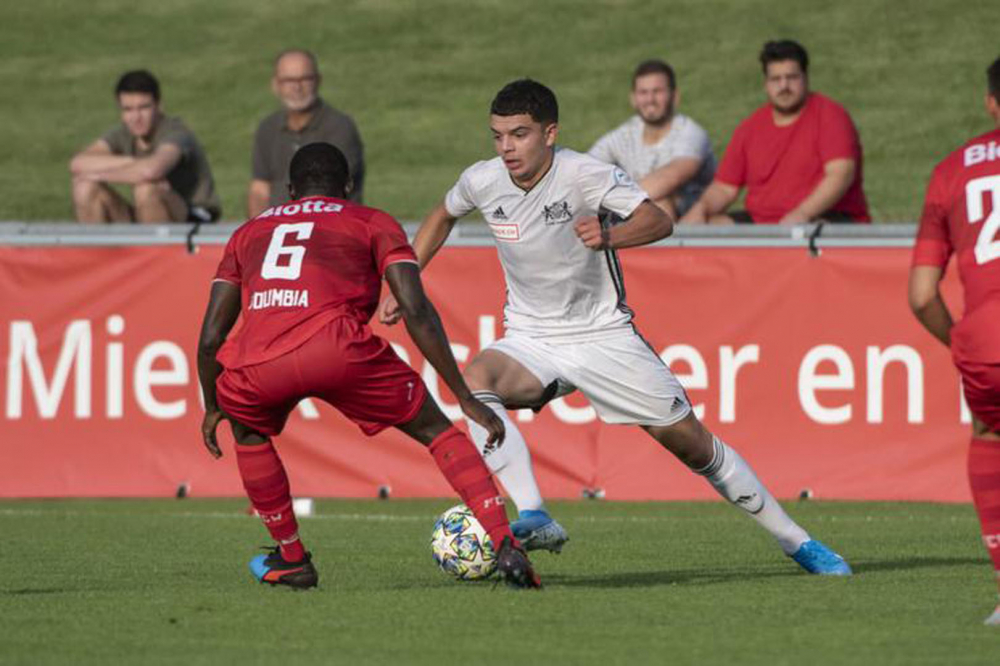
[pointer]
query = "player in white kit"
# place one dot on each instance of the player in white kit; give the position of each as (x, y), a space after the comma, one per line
(567, 326)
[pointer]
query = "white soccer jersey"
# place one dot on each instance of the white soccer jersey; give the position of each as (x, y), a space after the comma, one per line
(557, 288)
(624, 146)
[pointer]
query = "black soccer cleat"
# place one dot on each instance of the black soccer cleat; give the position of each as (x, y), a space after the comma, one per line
(274, 570)
(515, 567)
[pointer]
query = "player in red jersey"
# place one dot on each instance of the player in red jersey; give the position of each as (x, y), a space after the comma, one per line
(962, 217)
(307, 277)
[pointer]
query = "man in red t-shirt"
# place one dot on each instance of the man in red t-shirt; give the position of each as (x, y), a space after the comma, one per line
(307, 276)
(962, 217)
(799, 155)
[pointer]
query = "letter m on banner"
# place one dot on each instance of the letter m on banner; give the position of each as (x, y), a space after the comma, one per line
(75, 354)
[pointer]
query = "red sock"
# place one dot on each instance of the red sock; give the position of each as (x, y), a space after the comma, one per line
(984, 479)
(267, 487)
(465, 470)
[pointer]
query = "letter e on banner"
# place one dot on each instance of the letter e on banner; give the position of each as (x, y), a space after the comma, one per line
(810, 382)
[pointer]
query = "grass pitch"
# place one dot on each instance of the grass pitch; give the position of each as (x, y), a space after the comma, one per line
(148, 582)
(418, 78)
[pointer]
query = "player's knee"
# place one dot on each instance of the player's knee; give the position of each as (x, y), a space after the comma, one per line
(479, 378)
(688, 439)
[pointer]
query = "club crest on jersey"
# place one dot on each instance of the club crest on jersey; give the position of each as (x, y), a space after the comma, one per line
(557, 213)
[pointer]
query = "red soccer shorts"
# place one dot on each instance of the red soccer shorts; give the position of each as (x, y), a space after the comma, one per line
(981, 384)
(343, 364)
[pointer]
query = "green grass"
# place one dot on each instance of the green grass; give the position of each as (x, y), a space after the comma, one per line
(144, 582)
(418, 78)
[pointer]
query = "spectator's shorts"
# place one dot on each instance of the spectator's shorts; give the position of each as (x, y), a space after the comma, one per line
(201, 214)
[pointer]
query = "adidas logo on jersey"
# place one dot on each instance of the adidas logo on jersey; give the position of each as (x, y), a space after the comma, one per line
(498, 214)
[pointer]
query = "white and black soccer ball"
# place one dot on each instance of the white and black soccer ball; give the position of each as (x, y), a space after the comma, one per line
(460, 545)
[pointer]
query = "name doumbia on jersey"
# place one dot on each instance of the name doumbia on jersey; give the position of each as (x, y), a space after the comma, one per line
(279, 298)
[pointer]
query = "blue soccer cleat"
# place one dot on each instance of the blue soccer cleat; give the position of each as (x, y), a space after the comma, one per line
(273, 569)
(816, 558)
(537, 530)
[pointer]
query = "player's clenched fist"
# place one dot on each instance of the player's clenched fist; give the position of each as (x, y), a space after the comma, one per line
(388, 311)
(591, 233)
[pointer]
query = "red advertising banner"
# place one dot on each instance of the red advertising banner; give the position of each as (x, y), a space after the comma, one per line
(811, 366)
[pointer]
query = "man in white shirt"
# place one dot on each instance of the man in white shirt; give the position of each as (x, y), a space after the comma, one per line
(666, 152)
(567, 324)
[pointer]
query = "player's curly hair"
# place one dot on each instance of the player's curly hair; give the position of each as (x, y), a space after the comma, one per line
(529, 97)
(319, 168)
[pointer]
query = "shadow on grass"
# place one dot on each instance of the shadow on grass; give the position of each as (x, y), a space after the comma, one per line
(34, 591)
(904, 563)
(696, 577)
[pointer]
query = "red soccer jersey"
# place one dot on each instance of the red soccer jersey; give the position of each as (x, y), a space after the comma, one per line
(781, 166)
(301, 265)
(962, 216)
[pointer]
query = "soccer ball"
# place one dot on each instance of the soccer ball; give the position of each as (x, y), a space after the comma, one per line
(460, 545)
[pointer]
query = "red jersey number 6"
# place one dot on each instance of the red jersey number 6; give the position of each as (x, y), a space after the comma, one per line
(291, 268)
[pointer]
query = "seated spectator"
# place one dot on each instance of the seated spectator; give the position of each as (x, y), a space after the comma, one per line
(303, 118)
(799, 155)
(155, 154)
(666, 152)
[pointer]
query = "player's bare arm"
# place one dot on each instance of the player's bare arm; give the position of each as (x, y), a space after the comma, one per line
(425, 328)
(927, 304)
(144, 169)
(431, 235)
(95, 158)
(837, 178)
(220, 316)
(647, 224)
(714, 201)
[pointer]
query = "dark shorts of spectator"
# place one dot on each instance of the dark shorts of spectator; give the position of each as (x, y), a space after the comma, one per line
(201, 214)
(833, 216)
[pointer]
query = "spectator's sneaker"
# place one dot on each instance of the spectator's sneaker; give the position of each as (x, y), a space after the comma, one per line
(515, 567)
(993, 620)
(816, 558)
(274, 570)
(537, 530)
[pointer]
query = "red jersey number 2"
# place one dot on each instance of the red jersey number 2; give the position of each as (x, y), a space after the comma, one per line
(987, 244)
(284, 262)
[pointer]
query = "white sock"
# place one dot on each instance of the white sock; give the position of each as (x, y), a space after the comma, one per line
(733, 478)
(511, 462)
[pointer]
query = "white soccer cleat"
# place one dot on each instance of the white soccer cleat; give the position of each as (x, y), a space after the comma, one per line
(551, 537)
(994, 619)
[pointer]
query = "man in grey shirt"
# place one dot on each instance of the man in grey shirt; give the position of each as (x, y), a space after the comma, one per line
(303, 119)
(155, 155)
(666, 152)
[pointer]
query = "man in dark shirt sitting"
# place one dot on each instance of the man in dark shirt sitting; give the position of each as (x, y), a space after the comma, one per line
(304, 118)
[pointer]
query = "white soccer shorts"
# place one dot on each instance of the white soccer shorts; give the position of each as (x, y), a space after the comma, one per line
(624, 380)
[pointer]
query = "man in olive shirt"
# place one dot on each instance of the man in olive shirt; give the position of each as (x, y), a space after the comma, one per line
(303, 119)
(155, 154)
